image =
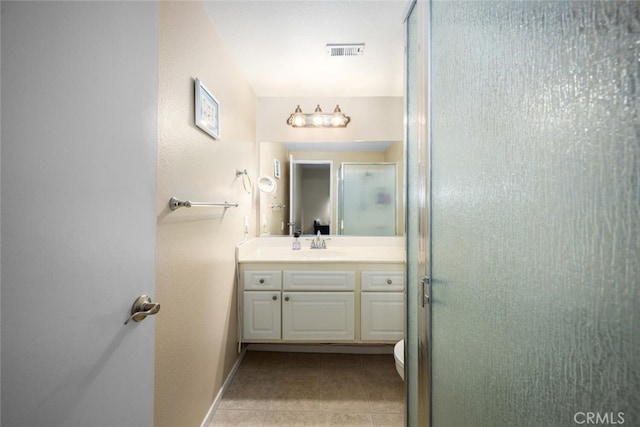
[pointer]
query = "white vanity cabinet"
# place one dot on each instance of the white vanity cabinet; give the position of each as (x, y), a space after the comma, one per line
(322, 302)
(382, 305)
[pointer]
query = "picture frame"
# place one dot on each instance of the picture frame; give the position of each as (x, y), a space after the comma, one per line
(276, 168)
(207, 110)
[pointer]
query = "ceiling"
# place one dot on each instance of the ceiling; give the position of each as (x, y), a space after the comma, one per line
(280, 46)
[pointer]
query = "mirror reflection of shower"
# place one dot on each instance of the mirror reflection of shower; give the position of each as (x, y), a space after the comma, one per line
(367, 199)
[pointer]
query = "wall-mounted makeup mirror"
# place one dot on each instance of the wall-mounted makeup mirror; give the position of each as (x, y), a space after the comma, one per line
(266, 184)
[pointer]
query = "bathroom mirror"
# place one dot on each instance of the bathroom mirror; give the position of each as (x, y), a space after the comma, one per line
(317, 187)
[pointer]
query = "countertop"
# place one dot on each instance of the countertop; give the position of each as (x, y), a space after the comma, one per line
(340, 249)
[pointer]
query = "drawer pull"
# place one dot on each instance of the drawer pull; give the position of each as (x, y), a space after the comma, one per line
(261, 281)
(389, 281)
(275, 298)
(286, 298)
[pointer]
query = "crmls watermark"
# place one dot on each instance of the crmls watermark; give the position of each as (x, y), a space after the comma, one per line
(599, 418)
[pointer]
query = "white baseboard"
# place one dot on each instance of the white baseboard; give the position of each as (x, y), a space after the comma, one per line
(324, 348)
(216, 402)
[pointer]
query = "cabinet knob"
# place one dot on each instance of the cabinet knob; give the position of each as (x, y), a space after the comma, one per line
(389, 281)
(286, 298)
(261, 281)
(275, 298)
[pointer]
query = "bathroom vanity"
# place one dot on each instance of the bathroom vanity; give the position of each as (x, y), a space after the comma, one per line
(351, 292)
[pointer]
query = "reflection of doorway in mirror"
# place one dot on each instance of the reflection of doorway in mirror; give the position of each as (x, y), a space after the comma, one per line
(311, 196)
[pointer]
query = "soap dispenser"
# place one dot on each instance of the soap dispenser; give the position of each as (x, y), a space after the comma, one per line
(296, 243)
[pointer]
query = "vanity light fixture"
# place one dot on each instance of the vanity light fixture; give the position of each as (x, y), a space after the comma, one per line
(318, 119)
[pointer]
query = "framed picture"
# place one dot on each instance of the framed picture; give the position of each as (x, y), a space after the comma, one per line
(276, 168)
(207, 111)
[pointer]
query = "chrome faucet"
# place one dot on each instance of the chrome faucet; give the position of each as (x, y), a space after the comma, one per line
(318, 243)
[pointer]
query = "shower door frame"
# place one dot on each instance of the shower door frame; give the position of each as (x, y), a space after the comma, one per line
(418, 217)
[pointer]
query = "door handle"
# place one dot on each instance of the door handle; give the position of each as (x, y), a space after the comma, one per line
(141, 308)
(426, 299)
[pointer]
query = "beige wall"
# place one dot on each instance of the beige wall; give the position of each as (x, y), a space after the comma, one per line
(338, 157)
(196, 333)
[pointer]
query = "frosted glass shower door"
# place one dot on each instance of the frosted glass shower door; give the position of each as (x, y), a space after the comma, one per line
(367, 199)
(535, 219)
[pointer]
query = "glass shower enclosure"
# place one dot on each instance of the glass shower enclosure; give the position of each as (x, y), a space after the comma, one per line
(533, 213)
(367, 199)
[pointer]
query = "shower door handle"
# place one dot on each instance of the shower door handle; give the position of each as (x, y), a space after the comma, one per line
(426, 299)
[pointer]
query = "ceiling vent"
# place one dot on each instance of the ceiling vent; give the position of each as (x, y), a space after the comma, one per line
(345, 49)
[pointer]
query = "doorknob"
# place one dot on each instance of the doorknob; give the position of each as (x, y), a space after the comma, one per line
(141, 308)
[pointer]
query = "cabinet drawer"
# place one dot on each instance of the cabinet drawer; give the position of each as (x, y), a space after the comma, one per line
(392, 281)
(319, 280)
(262, 280)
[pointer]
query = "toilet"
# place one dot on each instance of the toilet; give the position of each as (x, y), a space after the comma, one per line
(398, 354)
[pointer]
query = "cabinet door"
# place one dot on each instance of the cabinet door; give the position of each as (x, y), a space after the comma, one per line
(261, 318)
(318, 316)
(382, 316)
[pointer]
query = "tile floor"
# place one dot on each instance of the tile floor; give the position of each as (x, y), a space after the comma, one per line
(312, 389)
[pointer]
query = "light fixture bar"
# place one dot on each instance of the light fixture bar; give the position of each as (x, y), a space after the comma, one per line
(318, 119)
